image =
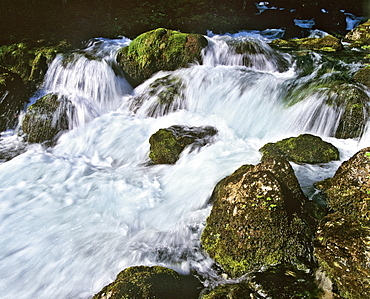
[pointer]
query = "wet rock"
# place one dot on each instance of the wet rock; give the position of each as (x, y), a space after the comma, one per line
(143, 282)
(13, 97)
(348, 192)
(166, 145)
(159, 49)
(327, 43)
(359, 36)
(305, 148)
(257, 220)
(45, 119)
(342, 249)
(363, 76)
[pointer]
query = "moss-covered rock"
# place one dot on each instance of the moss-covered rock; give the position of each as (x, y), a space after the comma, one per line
(13, 96)
(143, 282)
(159, 49)
(342, 249)
(229, 291)
(45, 119)
(327, 43)
(305, 148)
(359, 36)
(363, 76)
(348, 192)
(257, 220)
(166, 145)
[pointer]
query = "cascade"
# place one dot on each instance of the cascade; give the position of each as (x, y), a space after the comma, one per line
(75, 215)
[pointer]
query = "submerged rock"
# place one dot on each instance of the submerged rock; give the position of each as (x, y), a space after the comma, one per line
(257, 220)
(143, 282)
(45, 119)
(327, 43)
(159, 49)
(342, 249)
(166, 145)
(13, 97)
(305, 148)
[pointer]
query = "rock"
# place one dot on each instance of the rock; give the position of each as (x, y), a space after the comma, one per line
(363, 76)
(159, 49)
(229, 291)
(327, 43)
(348, 192)
(257, 220)
(143, 282)
(45, 119)
(13, 97)
(342, 249)
(285, 282)
(305, 148)
(359, 36)
(166, 145)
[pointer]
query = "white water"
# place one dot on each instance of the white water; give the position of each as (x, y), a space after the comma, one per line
(73, 216)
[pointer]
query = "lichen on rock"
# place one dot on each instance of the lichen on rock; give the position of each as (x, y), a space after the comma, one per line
(305, 148)
(327, 43)
(159, 49)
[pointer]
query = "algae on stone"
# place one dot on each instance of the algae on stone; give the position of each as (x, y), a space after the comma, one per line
(159, 49)
(305, 148)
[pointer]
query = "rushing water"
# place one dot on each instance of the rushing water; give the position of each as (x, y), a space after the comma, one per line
(75, 215)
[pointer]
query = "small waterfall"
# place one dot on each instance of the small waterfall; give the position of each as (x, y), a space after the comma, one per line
(90, 79)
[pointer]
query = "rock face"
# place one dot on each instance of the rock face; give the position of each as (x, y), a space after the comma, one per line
(151, 282)
(159, 49)
(257, 220)
(45, 119)
(327, 43)
(343, 239)
(166, 145)
(359, 36)
(305, 148)
(13, 96)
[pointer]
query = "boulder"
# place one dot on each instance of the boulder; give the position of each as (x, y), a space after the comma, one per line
(359, 36)
(229, 291)
(159, 49)
(166, 145)
(342, 249)
(143, 282)
(327, 43)
(348, 192)
(257, 220)
(46, 119)
(13, 97)
(363, 76)
(305, 148)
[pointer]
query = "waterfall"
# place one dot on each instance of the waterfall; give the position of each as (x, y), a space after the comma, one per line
(75, 215)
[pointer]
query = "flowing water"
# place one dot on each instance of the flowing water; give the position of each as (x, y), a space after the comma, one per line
(75, 215)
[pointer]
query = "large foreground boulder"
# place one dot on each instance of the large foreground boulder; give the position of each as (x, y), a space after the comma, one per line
(143, 282)
(159, 49)
(166, 145)
(305, 148)
(45, 119)
(257, 220)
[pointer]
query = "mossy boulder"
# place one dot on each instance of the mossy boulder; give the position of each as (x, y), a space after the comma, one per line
(257, 220)
(229, 291)
(342, 249)
(143, 282)
(46, 119)
(159, 49)
(305, 148)
(166, 145)
(359, 36)
(13, 97)
(363, 76)
(327, 43)
(348, 192)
